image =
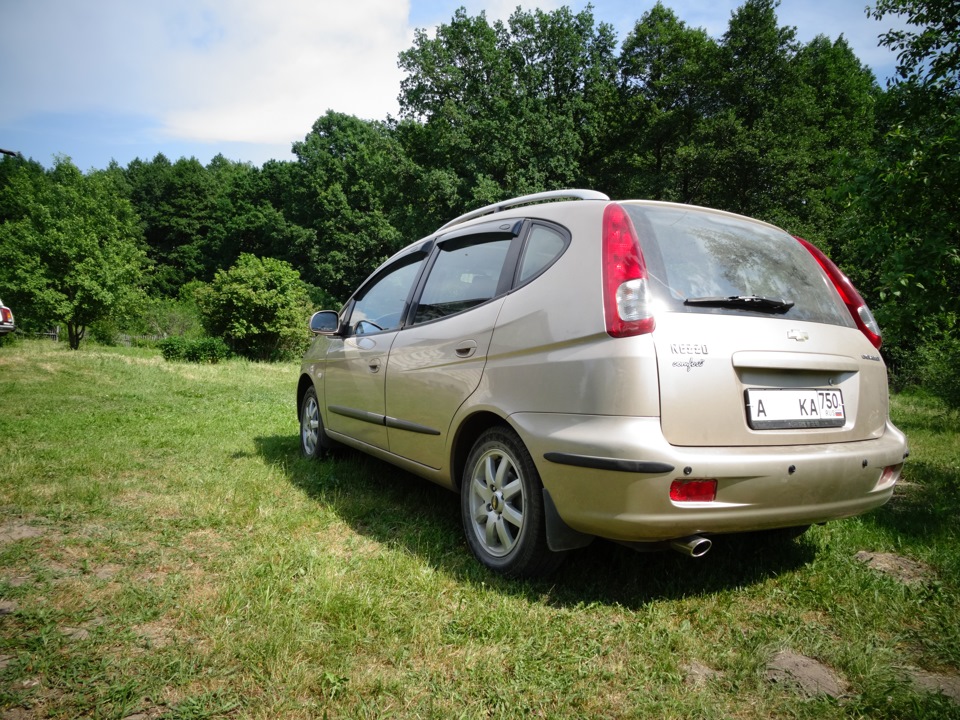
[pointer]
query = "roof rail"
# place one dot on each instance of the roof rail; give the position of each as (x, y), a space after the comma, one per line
(526, 200)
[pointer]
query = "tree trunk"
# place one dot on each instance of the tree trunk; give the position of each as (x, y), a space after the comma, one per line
(75, 333)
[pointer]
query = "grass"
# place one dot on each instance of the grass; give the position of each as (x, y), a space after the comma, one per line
(164, 552)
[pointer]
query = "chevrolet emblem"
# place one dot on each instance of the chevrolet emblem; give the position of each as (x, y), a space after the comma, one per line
(798, 335)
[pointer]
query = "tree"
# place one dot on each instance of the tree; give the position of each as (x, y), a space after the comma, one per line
(750, 123)
(259, 307)
(929, 50)
(831, 111)
(72, 248)
(668, 88)
(509, 108)
(355, 174)
(906, 242)
(177, 203)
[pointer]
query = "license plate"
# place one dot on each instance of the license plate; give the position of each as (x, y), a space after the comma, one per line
(779, 409)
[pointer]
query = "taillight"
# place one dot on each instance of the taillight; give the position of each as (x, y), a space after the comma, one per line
(851, 298)
(626, 302)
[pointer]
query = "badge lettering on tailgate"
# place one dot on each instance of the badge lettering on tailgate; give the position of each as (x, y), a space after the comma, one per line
(689, 349)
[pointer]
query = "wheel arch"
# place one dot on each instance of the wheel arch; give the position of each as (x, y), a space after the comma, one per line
(467, 433)
(304, 383)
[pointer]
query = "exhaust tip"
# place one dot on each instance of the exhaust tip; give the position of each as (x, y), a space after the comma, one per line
(693, 546)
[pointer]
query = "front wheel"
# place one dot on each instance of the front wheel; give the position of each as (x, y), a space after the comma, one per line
(313, 440)
(501, 503)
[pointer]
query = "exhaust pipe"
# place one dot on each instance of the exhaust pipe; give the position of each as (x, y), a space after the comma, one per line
(693, 546)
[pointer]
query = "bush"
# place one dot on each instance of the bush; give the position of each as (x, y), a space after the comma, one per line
(105, 332)
(937, 372)
(320, 298)
(259, 307)
(173, 348)
(164, 316)
(202, 350)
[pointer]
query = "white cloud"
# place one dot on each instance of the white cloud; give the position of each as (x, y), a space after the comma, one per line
(274, 68)
(207, 70)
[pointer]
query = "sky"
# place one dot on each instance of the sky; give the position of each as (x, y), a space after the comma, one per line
(102, 80)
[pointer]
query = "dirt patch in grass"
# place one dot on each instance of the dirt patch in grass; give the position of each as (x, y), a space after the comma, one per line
(14, 530)
(808, 676)
(935, 683)
(697, 674)
(911, 572)
(811, 678)
(156, 635)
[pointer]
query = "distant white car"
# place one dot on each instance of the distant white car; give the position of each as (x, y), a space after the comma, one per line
(647, 372)
(7, 324)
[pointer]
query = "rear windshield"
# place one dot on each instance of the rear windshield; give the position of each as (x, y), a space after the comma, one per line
(695, 254)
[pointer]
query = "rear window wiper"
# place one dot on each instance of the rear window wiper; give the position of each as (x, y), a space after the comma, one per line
(743, 302)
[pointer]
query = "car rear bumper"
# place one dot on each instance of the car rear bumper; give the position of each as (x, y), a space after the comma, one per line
(611, 477)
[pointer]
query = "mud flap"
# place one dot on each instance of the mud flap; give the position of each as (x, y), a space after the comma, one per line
(561, 536)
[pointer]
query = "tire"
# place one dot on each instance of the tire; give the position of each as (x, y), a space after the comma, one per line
(314, 443)
(501, 504)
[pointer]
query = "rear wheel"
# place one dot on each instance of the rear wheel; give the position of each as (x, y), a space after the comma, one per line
(501, 503)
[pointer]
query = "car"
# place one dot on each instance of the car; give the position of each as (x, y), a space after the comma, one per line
(575, 367)
(7, 324)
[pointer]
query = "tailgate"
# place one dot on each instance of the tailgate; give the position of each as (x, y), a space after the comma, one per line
(728, 380)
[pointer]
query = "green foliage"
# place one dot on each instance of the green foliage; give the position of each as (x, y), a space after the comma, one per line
(938, 363)
(355, 172)
(173, 348)
(667, 89)
(320, 298)
(259, 307)
(168, 317)
(904, 219)
(528, 93)
(929, 49)
(105, 332)
(177, 203)
(71, 248)
(195, 350)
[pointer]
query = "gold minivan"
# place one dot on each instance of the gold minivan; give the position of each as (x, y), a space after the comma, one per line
(576, 367)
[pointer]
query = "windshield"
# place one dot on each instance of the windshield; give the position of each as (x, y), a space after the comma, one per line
(695, 257)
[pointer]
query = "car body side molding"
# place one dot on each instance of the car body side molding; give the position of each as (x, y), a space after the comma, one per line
(399, 424)
(605, 463)
(376, 419)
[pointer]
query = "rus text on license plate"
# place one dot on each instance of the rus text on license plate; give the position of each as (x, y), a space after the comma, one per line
(778, 409)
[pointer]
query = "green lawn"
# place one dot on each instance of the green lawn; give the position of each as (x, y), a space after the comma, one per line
(164, 552)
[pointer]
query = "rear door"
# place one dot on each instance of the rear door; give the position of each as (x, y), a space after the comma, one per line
(735, 370)
(735, 381)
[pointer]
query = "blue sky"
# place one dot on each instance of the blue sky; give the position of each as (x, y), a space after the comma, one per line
(102, 80)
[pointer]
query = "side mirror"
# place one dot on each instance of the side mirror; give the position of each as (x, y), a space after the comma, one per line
(325, 322)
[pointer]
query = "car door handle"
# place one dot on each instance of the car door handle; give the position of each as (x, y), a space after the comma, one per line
(466, 348)
(374, 365)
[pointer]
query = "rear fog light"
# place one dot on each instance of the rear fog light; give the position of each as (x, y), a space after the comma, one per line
(890, 474)
(693, 490)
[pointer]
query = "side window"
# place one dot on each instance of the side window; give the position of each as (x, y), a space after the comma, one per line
(543, 247)
(381, 305)
(464, 275)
